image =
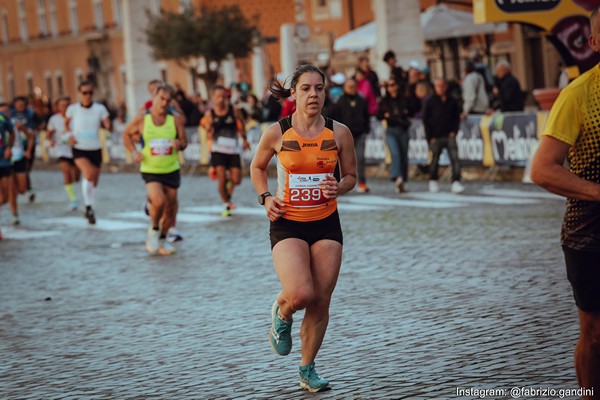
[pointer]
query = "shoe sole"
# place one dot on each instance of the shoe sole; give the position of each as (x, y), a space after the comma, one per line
(150, 250)
(164, 252)
(273, 315)
(305, 386)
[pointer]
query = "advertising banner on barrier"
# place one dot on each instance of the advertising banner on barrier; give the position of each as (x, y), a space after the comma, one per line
(512, 136)
(375, 147)
(418, 148)
(500, 139)
(470, 141)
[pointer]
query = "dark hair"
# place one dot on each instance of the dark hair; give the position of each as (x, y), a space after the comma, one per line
(363, 58)
(214, 88)
(358, 71)
(164, 87)
(388, 55)
(84, 83)
(278, 89)
(470, 67)
(399, 84)
(62, 98)
(21, 98)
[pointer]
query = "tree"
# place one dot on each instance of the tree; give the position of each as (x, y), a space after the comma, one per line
(213, 34)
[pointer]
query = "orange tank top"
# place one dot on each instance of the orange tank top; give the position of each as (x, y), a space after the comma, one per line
(301, 165)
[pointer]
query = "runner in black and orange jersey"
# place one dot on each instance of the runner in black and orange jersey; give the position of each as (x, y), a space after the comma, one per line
(306, 236)
(224, 125)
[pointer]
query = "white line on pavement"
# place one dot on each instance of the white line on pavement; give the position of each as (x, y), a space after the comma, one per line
(23, 234)
(385, 201)
(519, 193)
(101, 224)
(467, 199)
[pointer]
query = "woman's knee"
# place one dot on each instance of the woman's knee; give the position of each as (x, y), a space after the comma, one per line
(301, 299)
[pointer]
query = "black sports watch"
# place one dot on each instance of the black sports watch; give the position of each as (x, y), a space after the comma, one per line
(262, 197)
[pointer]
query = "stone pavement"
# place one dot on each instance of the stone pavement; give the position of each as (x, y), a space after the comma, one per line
(437, 292)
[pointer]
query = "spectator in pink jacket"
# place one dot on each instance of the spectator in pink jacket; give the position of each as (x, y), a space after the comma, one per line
(365, 89)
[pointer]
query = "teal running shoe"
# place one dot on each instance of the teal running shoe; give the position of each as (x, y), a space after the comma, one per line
(280, 335)
(310, 380)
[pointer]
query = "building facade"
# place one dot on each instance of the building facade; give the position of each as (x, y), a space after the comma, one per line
(53, 45)
(50, 46)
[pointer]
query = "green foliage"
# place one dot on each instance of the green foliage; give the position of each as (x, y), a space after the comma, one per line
(209, 33)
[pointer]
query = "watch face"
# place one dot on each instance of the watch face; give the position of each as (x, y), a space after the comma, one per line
(262, 197)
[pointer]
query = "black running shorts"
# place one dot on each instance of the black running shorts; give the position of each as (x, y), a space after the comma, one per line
(583, 272)
(172, 179)
(5, 171)
(20, 167)
(311, 231)
(225, 160)
(71, 161)
(95, 156)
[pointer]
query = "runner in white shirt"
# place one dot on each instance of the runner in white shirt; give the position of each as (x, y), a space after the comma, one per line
(59, 140)
(84, 121)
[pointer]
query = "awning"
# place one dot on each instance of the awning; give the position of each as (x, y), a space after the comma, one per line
(437, 22)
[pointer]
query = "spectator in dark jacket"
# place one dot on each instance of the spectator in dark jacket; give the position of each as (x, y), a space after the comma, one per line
(393, 108)
(352, 110)
(507, 89)
(396, 72)
(441, 119)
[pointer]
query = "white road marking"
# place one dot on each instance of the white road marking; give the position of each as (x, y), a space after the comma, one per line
(212, 213)
(386, 201)
(345, 206)
(466, 199)
(181, 216)
(101, 224)
(218, 209)
(23, 234)
(520, 193)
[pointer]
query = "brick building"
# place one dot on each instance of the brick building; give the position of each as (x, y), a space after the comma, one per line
(54, 44)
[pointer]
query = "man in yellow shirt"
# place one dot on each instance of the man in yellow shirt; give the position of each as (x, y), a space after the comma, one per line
(162, 136)
(573, 131)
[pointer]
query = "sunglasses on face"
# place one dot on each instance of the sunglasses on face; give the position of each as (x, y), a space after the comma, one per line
(88, 93)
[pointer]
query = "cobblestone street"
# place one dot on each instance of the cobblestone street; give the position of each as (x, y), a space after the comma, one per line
(437, 292)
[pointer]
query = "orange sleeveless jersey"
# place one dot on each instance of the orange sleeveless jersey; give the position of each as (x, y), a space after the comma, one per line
(301, 165)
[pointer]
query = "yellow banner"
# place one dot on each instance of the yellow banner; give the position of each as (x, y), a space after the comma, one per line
(543, 13)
